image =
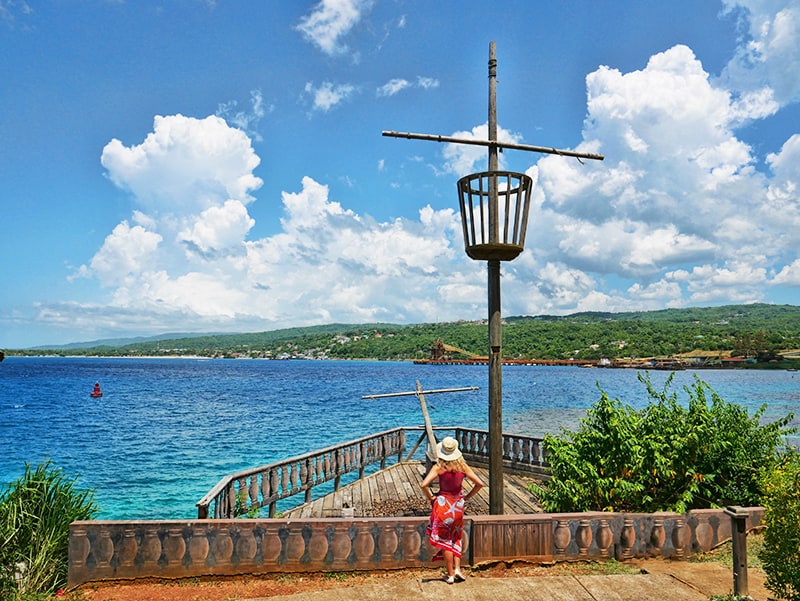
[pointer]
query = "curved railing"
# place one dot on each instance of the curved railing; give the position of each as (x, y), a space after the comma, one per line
(239, 493)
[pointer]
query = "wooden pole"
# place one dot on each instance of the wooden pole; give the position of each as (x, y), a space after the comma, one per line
(432, 453)
(496, 492)
(495, 318)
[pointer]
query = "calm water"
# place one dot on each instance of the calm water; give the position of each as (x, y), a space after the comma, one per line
(166, 430)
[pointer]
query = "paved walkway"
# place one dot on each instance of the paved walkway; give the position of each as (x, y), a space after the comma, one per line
(672, 580)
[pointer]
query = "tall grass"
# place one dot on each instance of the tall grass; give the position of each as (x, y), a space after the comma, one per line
(35, 513)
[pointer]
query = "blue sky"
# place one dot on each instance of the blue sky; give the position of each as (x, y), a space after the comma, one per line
(196, 166)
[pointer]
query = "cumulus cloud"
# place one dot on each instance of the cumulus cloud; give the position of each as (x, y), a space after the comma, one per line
(185, 165)
(678, 187)
(187, 258)
(462, 159)
(767, 61)
(681, 211)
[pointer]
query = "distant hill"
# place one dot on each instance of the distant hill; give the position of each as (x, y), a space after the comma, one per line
(116, 342)
(755, 331)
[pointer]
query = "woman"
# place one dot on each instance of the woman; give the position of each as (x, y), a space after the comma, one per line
(447, 514)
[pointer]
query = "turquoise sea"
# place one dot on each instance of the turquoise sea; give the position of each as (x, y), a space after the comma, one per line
(166, 430)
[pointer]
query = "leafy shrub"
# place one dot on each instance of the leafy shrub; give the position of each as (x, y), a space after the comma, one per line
(35, 513)
(666, 457)
(780, 555)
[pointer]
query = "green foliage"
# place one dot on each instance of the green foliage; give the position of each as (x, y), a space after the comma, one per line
(757, 330)
(780, 555)
(35, 513)
(666, 457)
(242, 508)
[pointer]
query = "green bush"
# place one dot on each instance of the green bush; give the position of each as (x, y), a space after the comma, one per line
(780, 555)
(666, 457)
(35, 513)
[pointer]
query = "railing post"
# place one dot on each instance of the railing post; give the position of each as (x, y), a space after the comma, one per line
(739, 517)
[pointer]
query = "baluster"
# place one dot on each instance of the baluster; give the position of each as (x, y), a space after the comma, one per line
(274, 482)
(526, 451)
(473, 445)
(265, 492)
(536, 453)
(386, 448)
(481, 444)
(326, 465)
(515, 449)
(365, 453)
(319, 463)
(293, 478)
(338, 468)
(309, 481)
(284, 481)
(303, 474)
(506, 448)
(253, 489)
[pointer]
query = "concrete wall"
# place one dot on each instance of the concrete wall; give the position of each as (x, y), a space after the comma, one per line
(117, 550)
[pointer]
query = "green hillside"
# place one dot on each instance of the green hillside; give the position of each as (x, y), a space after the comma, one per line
(758, 330)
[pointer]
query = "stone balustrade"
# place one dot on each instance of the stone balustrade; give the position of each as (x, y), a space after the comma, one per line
(116, 550)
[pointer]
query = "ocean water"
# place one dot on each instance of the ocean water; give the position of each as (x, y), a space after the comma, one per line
(166, 430)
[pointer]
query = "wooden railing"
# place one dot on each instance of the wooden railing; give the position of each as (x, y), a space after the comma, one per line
(520, 453)
(239, 493)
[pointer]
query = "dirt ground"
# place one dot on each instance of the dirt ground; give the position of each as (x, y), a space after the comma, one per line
(286, 584)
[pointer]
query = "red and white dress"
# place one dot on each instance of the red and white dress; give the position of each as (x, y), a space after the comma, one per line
(447, 515)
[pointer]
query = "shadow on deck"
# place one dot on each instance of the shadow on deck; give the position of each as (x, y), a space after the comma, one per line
(395, 491)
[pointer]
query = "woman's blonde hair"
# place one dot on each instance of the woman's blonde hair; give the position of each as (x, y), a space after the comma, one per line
(456, 465)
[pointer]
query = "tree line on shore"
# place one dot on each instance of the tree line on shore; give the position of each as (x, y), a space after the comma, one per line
(759, 332)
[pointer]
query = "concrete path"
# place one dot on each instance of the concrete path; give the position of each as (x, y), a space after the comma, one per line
(673, 580)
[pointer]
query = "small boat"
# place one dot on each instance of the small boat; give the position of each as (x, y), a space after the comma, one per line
(96, 393)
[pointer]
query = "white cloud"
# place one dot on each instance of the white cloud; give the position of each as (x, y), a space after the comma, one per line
(125, 251)
(191, 262)
(218, 229)
(392, 87)
(185, 164)
(789, 275)
(681, 211)
(327, 96)
(427, 83)
(462, 159)
(330, 21)
(246, 120)
(767, 61)
(397, 85)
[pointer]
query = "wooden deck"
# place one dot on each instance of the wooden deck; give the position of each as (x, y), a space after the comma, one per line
(395, 491)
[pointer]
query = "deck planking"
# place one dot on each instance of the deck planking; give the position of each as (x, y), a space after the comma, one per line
(395, 491)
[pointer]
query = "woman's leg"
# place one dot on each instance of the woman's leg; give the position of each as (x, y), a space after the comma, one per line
(457, 568)
(448, 562)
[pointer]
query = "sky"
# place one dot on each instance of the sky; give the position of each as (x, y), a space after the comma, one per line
(216, 166)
